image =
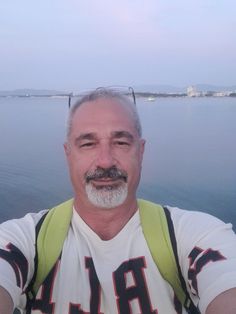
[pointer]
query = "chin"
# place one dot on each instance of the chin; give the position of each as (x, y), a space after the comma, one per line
(107, 197)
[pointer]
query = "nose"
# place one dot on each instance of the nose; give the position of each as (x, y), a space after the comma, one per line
(105, 157)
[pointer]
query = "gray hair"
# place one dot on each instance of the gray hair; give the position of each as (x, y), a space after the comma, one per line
(106, 93)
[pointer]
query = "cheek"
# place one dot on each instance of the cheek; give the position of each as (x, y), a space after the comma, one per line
(137, 158)
(133, 160)
(79, 165)
(134, 165)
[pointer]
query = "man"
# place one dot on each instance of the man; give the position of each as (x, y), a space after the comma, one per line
(105, 265)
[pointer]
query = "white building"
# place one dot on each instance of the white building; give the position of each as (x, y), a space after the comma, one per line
(192, 92)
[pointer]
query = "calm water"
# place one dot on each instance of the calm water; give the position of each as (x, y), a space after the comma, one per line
(190, 156)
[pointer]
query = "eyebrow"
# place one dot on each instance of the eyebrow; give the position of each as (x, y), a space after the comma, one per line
(114, 135)
(86, 136)
(122, 134)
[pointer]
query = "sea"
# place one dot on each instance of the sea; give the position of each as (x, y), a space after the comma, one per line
(189, 162)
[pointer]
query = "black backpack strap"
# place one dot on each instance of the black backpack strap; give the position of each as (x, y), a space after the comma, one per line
(190, 307)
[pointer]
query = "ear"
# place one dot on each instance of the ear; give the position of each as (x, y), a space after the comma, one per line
(66, 148)
(142, 145)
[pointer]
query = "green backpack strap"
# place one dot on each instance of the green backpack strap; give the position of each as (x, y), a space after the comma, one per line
(50, 240)
(54, 229)
(156, 233)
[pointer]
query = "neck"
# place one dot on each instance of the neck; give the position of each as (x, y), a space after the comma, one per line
(106, 223)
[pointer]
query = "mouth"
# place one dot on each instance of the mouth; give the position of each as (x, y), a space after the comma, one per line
(106, 183)
(106, 179)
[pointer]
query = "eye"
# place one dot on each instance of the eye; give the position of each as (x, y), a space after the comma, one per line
(87, 144)
(122, 143)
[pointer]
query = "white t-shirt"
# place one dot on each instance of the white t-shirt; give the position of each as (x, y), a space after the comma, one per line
(119, 275)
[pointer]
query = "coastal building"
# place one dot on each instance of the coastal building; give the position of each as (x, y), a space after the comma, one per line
(192, 92)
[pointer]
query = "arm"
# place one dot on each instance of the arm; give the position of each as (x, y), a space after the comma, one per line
(210, 272)
(225, 303)
(6, 304)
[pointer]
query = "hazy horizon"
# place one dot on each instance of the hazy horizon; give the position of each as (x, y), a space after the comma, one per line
(137, 88)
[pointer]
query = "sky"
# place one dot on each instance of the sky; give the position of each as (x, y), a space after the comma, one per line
(71, 45)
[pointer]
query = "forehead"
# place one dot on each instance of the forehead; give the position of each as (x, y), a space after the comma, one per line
(103, 115)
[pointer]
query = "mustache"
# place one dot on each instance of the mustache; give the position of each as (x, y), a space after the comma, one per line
(109, 173)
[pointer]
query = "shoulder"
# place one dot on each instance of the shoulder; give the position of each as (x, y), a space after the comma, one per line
(200, 230)
(184, 214)
(20, 232)
(197, 223)
(23, 224)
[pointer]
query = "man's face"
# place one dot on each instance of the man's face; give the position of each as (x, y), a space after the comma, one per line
(104, 153)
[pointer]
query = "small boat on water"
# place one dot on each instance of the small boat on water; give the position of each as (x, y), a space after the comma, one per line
(151, 98)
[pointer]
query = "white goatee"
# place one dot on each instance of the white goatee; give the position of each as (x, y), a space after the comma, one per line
(107, 196)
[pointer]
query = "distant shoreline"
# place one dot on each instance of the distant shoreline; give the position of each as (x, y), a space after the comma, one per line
(149, 92)
(149, 96)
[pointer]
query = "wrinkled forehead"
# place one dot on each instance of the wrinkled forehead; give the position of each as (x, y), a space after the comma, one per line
(104, 110)
(108, 103)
